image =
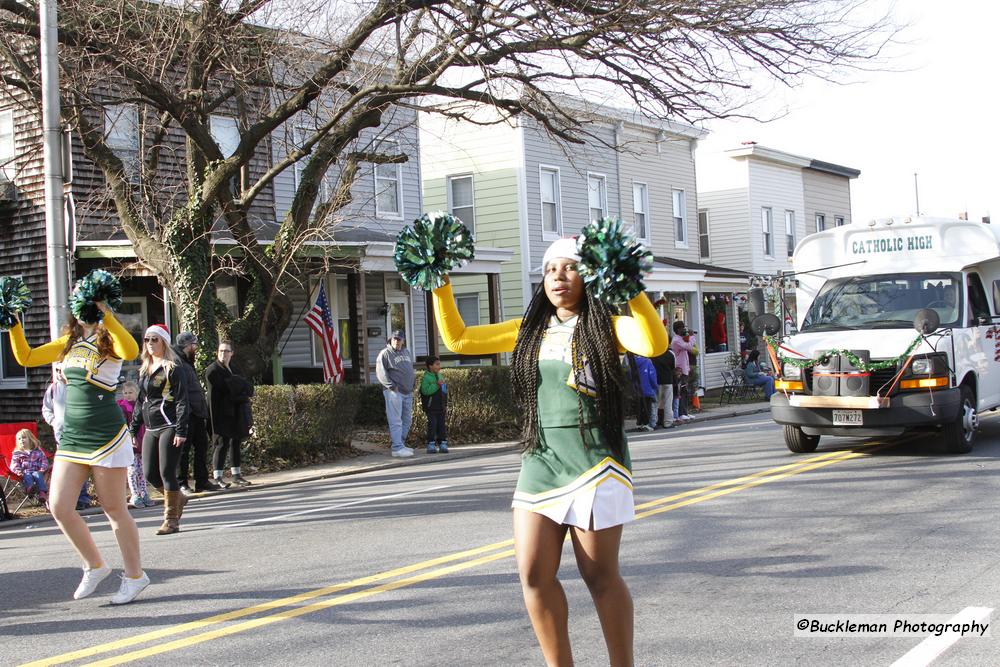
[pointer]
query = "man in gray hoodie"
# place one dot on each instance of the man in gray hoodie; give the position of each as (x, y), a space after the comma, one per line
(394, 368)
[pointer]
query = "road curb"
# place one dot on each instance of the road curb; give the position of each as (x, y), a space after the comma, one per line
(454, 454)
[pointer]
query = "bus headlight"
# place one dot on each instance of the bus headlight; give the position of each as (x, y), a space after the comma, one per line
(791, 372)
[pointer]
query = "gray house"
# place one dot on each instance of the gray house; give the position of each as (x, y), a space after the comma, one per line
(520, 189)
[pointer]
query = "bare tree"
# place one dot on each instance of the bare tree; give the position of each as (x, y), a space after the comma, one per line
(337, 71)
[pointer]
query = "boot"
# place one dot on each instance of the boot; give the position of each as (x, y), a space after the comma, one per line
(171, 513)
(659, 419)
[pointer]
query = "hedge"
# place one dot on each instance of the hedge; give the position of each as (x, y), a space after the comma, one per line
(309, 423)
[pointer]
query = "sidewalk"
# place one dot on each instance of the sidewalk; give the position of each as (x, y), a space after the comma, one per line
(376, 457)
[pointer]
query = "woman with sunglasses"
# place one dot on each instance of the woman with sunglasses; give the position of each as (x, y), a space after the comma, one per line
(162, 408)
(94, 442)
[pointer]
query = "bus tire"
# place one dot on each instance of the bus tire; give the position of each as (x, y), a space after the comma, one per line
(799, 442)
(961, 433)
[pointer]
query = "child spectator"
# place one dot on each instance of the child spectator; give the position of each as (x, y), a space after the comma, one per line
(434, 400)
(649, 387)
(136, 480)
(29, 461)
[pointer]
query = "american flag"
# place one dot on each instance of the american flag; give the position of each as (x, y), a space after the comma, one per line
(320, 320)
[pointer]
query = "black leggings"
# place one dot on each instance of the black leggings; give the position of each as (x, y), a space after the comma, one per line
(223, 446)
(160, 458)
(435, 428)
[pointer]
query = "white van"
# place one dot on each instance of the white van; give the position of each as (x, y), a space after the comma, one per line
(859, 289)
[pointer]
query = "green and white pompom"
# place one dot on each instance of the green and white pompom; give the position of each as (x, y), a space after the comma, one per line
(612, 262)
(98, 285)
(15, 298)
(428, 250)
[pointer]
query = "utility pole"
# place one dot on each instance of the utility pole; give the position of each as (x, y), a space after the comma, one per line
(916, 192)
(55, 229)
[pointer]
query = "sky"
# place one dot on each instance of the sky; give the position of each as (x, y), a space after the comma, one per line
(936, 115)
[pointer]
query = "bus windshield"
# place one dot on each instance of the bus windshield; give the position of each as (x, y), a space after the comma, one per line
(884, 301)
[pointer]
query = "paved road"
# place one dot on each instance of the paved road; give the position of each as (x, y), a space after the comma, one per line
(413, 566)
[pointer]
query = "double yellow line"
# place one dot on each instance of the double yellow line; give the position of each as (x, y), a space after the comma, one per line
(285, 608)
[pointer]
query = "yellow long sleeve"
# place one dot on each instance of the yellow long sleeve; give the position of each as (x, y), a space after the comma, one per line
(643, 333)
(47, 353)
(123, 343)
(125, 346)
(480, 339)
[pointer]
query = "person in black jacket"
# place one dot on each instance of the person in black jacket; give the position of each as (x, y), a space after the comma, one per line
(230, 418)
(163, 409)
(186, 347)
(664, 365)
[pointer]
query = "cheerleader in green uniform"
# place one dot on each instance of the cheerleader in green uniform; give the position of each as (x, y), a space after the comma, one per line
(95, 441)
(576, 471)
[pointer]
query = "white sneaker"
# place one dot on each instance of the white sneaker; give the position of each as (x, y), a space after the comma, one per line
(687, 418)
(403, 453)
(91, 579)
(129, 589)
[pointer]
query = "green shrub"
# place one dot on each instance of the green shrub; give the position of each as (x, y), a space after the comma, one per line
(371, 406)
(480, 406)
(301, 424)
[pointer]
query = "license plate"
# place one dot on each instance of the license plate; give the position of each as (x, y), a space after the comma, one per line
(847, 417)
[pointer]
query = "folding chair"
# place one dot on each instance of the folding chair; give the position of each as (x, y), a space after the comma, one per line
(728, 387)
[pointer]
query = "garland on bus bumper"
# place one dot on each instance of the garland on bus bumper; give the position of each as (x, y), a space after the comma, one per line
(863, 366)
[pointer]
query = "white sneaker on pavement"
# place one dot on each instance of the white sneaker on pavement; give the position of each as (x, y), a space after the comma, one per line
(403, 453)
(92, 577)
(129, 589)
(687, 418)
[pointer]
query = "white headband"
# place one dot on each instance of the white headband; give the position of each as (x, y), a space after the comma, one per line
(159, 330)
(564, 247)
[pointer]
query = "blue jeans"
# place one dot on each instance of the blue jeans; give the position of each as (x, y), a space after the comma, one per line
(399, 413)
(767, 381)
(34, 480)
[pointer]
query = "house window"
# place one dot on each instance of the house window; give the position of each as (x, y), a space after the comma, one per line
(790, 231)
(549, 181)
(121, 132)
(462, 201)
(12, 374)
(838, 220)
(703, 247)
(226, 133)
(340, 310)
(597, 196)
(716, 321)
(7, 145)
(468, 308)
(640, 208)
(680, 218)
(389, 184)
(768, 228)
(820, 222)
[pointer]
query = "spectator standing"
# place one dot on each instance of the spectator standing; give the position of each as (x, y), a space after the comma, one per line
(648, 389)
(197, 440)
(434, 400)
(29, 461)
(229, 413)
(54, 414)
(394, 368)
(681, 345)
(163, 409)
(664, 365)
(139, 492)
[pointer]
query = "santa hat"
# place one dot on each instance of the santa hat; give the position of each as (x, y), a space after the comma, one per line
(159, 330)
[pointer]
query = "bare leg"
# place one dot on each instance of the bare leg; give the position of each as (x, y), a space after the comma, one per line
(109, 482)
(67, 478)
(597, 557)
(538, 544)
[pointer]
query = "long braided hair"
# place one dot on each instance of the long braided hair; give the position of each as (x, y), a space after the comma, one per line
(593, 340)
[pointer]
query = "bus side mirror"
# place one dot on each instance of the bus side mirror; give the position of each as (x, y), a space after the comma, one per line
(767, 323)
(926, 321)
